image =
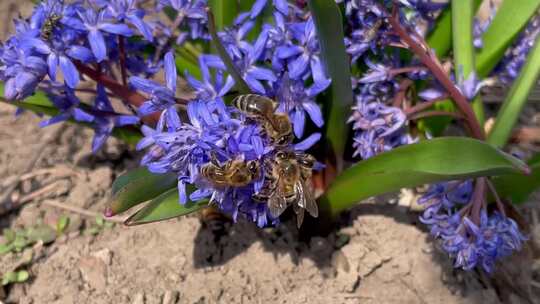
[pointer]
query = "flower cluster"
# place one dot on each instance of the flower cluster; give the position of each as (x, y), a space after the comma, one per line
(217, 132)
(474, 237)
(510, 66)
(48, 49)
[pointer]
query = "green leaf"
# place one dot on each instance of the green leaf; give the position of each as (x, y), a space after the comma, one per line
(462, 37)
(511, 18)
(164, 207)
(138, 186)
(242, 86)
(516, 99)
(446, 158)
(43, 233)
(62, 224)
(5, 248)
(224, 12)
(440, 38)
(518, 187)
(329, 25)
(15, 277)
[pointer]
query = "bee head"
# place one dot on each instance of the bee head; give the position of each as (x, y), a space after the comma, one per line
(253, 167)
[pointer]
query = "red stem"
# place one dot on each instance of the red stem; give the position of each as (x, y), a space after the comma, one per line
(400, 95)
(122, 50)
(131, 97)
(418, 46)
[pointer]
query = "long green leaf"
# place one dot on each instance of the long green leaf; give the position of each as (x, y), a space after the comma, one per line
(462, 37)
(440, 38)
(224, 12)
(511, 18)
(329, 24)
(136, 187)
(518, 187)
(446, 158)
(516, 99)
(164, 207)
(239, 81)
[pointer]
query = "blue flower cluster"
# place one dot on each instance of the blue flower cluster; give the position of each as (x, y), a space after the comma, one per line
(474, 237)
(379, 125)
(48, 48)
(215, 130)
(510, 66)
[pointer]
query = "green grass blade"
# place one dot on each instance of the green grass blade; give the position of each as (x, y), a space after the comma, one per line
(462, 38)
(329, 24)
(516, 99)
(440, 38)
(224, 12)
(446, 158)
(164, 207)
(511, 18)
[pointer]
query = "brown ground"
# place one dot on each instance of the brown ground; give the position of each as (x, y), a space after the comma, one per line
(388, 258)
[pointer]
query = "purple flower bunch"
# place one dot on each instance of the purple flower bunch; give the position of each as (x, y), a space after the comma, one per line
(109, 38)
(220, 132)
(474, 237)
(510, 66)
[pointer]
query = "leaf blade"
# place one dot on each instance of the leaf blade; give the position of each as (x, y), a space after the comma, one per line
(518, 187)
(164, 207)
(328, 22)
(136, 187)
(429, 161)
(516, 98)
(511, 18)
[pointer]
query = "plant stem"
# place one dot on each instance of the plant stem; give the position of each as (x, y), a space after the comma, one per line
(122, 49)
(418, 46)
(400, 95)
(123, 92)
(425, 105)
(416, 116)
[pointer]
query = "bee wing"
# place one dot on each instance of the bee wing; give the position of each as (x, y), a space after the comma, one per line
(276, 205)
(310, 203)
(300, 218)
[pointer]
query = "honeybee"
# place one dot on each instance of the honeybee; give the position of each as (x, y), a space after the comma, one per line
(213, 219)
(233, 173)
(288, 182)
(276, 125)
(371, 33)
(51, 21)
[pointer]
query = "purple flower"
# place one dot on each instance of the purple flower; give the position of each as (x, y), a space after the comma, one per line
(69, 106)
(378, 128)
(106, 120)
(22, 72)
(126, 10)
(190, 12)
(510, 66)
(210, 89)
(295, 100)
(303, 59)
(474, 241)
(97, 24)
(161, 97)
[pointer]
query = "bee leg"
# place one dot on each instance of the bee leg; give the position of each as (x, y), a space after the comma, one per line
(214, 160)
